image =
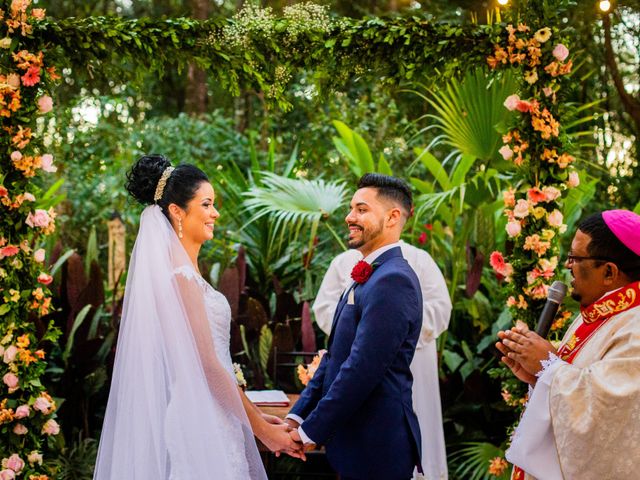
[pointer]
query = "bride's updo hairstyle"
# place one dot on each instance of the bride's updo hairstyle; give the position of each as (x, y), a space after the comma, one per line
(181, 185)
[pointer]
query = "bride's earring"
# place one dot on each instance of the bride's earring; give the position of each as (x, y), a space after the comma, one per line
(179, 228)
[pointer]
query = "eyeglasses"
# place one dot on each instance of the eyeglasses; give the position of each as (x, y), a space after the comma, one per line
(578, 258)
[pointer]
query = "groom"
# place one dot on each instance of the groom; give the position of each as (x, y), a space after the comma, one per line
(358, 403)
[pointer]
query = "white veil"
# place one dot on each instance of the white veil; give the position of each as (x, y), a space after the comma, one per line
(174, 412)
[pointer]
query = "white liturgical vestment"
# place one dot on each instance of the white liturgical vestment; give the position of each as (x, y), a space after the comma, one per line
(424, 367)
(582, 420)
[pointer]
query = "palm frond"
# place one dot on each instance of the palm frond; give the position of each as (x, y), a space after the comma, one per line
(291, 204)
(468, 112)
(472, 461)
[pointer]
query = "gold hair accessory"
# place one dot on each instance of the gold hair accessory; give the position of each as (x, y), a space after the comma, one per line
(162, 183)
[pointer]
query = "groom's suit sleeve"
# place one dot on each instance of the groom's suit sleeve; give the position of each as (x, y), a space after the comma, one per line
(388, 310)
(312, 393)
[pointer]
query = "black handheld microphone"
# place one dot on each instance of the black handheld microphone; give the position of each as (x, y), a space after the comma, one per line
(555, 295)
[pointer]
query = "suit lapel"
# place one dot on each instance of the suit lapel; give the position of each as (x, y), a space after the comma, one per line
(343, 301)
(394, 252)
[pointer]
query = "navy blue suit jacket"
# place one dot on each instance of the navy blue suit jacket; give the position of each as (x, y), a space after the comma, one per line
(358, 403)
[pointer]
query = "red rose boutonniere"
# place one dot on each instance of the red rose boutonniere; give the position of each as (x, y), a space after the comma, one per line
(361, 272)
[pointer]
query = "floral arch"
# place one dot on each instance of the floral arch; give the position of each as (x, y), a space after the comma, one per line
(256, 50)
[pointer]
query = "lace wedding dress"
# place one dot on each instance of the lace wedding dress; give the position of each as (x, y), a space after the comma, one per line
(174, 410)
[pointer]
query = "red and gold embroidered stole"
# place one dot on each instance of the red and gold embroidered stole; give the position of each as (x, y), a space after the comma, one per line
(594, 317)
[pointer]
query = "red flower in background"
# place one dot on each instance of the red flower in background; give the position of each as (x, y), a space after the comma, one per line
(422, 239)
(32, 77)
(361, 272)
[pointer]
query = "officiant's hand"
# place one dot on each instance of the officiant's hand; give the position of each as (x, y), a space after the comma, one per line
(517, 369)
(527, 348)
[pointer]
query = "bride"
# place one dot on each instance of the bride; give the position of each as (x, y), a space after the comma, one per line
(175, 410)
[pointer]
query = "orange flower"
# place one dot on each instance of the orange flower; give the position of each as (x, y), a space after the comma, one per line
(22, 138)
(26, 357)
(23, 341)
(564, 160)
(40, 354)
(52, 74)
(497, 466)
(25, 59)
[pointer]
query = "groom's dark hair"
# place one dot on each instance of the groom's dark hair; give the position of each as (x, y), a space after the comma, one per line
(392, 188)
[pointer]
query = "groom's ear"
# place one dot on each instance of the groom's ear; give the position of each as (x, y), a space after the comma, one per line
(395, 217)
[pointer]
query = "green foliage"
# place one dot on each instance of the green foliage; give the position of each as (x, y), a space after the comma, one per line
(472, 461)
(76, 462)
(291, 204)
(264, 54)
(469, 111)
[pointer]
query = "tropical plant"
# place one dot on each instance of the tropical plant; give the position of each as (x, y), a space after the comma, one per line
(291, 204)
(479, 461)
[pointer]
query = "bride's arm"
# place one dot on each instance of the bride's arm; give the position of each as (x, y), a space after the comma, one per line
(221, 385)
(275, 436)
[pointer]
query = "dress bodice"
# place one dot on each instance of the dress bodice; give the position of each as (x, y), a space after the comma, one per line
(218, 316)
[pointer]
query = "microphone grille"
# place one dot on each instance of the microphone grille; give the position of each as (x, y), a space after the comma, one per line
(557, 291)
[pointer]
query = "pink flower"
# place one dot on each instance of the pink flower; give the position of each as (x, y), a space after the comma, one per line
(512, 102)
(574, 180)
(16, 156)
(555, 218)
(14, 462)
(13, 80)
(506, 152)
(10, 354)
(43, 405)
(513, 228)
(9, 251)
(51, 427)
(38, 219)
(521, 209)
(560, 52)
(10, 380)
(34, 457)
(20, 429)
(39, 255)
(44, 278)
(22, 411)
(47, 163)
(551, 193)
(29, 197)
(7, 474)
(45, 104)
(548, 91)
(422, 239)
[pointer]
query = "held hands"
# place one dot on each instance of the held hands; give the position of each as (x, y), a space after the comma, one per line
(522, 351)
(284, 438)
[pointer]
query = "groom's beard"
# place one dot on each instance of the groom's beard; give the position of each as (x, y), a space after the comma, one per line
(366, 235)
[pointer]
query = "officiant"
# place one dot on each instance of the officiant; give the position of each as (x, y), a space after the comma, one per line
(582, 420)
(424, 367)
